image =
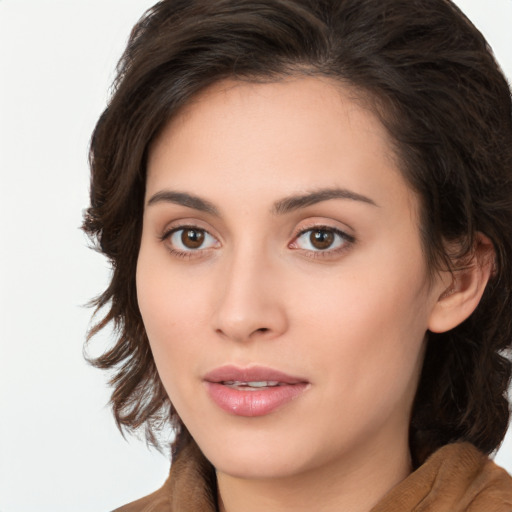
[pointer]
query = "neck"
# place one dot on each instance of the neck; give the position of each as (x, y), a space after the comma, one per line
(356, 484)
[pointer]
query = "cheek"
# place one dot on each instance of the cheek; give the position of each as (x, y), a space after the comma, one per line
(167, 296)
(167, 312)
(369, 296)
(370, 322)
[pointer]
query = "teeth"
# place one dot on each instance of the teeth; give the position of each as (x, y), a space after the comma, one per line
(252, 384)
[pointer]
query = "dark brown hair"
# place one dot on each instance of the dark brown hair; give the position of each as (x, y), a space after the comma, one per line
(430, 76)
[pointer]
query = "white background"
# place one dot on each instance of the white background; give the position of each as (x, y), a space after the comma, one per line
(59, 448)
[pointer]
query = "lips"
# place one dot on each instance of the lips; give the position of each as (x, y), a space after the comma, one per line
(254, 391)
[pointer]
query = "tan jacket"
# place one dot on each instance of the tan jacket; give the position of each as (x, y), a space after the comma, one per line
(456, 478)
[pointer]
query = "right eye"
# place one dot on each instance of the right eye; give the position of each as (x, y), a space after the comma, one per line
(187, 239)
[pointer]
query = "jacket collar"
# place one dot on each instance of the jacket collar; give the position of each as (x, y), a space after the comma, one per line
(456, 478)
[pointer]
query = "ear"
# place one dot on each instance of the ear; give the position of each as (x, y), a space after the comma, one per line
(461, 295)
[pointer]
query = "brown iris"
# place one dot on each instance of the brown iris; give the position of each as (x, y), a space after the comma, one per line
(192, 238)
(321, 239)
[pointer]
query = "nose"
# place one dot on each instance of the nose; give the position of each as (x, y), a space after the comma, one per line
(250, 299)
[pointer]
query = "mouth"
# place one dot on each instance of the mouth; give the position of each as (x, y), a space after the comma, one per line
(251, 386)
(253, 391)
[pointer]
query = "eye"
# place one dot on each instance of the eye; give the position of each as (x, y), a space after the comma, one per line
(187, 239)
(322, 239)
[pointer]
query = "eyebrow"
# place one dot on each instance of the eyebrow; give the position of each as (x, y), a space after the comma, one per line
(184, 199)
(296, 202)
(281, 207)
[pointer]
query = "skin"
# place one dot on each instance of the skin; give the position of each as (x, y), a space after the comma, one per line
(350, 319)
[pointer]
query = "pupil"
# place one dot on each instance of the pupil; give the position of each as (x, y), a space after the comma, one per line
(192, 238)
(321, 239)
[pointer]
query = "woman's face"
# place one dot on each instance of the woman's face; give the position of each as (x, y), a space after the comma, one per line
(281, 278)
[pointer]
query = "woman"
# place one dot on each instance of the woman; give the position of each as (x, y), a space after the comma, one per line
(307, 205)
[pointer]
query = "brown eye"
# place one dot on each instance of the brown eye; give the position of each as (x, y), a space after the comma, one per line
(189, 239)
(321, 239)
(192, 238)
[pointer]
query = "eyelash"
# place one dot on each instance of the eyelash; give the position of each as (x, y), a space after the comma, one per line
(347, 241)
(184, 254)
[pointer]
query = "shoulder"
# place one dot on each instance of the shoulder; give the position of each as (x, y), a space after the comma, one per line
(190, 487)
(479, 483)
(158, 501)
(456, 478)
(490, 487)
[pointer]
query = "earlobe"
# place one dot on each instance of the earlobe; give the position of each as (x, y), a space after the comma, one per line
(461, 296)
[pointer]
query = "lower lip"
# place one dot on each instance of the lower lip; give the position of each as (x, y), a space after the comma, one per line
(253, 403)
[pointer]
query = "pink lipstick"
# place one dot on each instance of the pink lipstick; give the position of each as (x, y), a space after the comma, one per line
(254, 391)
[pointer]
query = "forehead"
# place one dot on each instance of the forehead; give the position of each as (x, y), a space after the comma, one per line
(307, 102)
(291, 135)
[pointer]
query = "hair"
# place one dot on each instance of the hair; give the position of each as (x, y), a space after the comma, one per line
(428, 74)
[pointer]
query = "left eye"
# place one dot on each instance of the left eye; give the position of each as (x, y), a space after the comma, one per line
(189, 239)
(321, 239)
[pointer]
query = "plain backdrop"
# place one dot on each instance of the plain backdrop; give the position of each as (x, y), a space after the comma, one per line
(59, 448)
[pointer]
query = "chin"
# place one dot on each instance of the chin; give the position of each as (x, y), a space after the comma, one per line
(259, 454)
(257, 466)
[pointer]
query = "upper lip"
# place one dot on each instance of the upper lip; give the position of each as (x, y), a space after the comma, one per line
(250, 374)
